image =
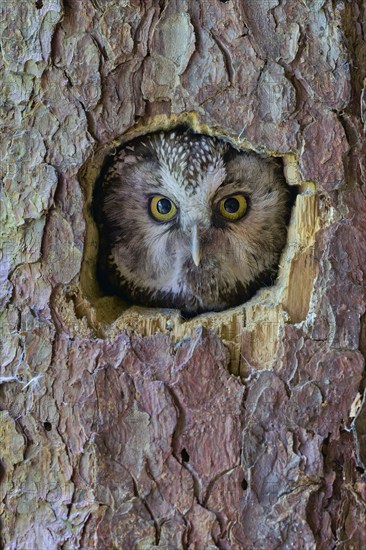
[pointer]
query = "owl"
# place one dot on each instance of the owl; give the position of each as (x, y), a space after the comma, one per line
(188, 221)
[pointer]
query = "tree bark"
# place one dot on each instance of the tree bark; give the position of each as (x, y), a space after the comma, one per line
(134, 429)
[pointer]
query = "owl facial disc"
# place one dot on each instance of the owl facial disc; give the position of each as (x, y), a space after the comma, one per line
(188, 221)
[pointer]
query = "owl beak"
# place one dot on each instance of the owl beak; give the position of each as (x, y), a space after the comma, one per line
(195, 246)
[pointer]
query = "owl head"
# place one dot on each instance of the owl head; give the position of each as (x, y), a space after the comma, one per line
(187, 221)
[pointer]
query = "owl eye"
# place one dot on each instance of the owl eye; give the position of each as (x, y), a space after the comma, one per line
(162, 209)
(233, 208)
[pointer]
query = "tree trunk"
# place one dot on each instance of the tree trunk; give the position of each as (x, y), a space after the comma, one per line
(132, 428)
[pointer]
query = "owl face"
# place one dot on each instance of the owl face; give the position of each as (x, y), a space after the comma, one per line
(189, 222)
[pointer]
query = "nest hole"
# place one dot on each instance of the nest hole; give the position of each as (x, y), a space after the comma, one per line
(261, 316)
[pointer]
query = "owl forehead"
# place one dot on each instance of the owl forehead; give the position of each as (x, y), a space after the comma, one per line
(192, 161)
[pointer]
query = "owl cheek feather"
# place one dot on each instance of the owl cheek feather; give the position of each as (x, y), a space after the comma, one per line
(161, 260)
